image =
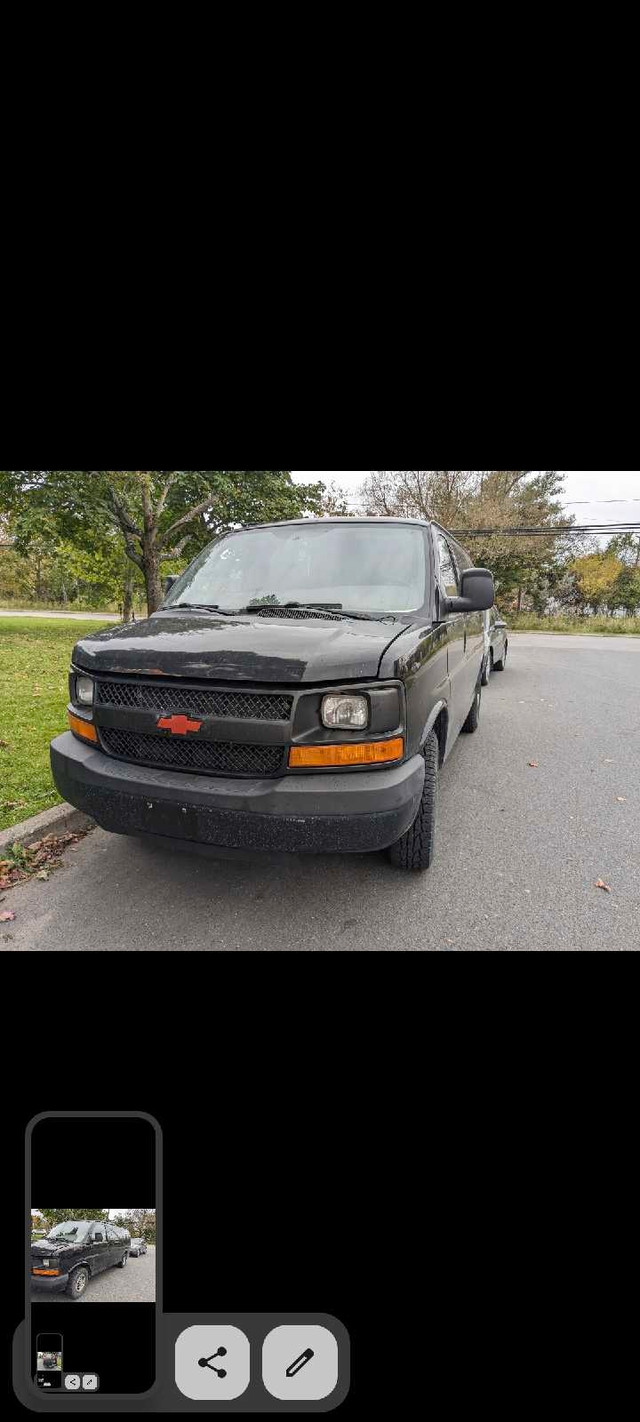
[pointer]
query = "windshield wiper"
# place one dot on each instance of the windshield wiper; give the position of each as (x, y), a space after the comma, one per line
(200, 607)
(331, 607)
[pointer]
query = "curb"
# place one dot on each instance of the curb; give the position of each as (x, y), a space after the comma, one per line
(62, 819)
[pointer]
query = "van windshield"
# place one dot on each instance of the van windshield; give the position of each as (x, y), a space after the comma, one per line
(71, 1229)
(370, 568)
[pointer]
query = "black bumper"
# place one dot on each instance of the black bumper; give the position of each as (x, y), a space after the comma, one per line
(352, 812)
(49, 1285)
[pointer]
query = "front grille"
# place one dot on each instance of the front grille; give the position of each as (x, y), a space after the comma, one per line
(178, 753)
(240, 705)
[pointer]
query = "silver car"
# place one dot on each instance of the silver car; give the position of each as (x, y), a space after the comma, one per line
(496, 639)
(138, 1246)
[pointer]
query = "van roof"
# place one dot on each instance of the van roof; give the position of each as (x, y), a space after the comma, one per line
(291, 522)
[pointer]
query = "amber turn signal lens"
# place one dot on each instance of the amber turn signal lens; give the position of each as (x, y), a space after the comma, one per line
(85, 729)
(366, 753)
(45, 1271)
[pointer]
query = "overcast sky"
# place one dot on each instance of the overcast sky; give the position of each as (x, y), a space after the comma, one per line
(591, 487)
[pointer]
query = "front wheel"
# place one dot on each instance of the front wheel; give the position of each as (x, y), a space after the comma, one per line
(416, 849)
(500, 666)
(487, 670)
(123, 1261)
(77, 1283)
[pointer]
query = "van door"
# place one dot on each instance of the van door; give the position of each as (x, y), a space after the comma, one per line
(448, 585)
(100, 1248)
(474, 632)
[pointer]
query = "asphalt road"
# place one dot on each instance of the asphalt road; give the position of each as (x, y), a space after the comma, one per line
(520, 849)
(136, 1283)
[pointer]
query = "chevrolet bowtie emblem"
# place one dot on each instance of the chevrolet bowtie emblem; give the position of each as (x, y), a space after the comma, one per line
(178, 725)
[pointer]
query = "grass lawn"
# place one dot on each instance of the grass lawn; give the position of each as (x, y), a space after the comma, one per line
(34, 665)
(577, 626)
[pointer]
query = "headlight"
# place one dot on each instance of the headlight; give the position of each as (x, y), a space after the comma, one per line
(350, 712)
(84, 690)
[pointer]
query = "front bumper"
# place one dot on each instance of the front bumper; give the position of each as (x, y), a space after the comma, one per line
(48, 1283)
(350, 812)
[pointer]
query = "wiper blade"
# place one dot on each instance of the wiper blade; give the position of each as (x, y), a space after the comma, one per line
(200, 607)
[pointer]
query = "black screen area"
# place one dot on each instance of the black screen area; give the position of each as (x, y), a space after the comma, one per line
(75, 1158)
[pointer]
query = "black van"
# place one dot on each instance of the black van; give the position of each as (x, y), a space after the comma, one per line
(299, 689)
(73, 1252)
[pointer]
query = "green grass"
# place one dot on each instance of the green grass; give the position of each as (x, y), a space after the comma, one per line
(583, 626)
(34, 665)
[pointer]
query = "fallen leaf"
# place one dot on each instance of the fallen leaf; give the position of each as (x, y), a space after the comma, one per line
(7, 916)
(533, 765)
(43, 875)
(621, 799)
(600, 884)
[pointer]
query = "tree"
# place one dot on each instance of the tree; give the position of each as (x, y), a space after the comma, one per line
(419, 493)
(140, 1223)
(334, 502)
(625, 594)
(596, 577)
(160, 515)
(56, 1217)
(491, 499)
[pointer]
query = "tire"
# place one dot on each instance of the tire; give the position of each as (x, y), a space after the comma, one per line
(500, 666)
(123, 1261)
(473, 719)
(416, 849)
(487, 670)
(78, 1281)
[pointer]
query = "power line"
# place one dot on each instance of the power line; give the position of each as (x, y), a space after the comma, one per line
(564, 531)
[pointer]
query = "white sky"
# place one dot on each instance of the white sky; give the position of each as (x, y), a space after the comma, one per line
(589, 486)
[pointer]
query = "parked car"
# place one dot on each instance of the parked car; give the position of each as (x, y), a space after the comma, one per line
(496, 645)
(138, 1246)
(299, 689)
(75, 1251)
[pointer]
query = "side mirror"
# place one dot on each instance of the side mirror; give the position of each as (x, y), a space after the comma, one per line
(478, 593)
(167, 583)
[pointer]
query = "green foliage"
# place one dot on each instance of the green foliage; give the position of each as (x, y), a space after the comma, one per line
(157, 517)
(141, 1224)
(606, 580)
(56, 1217)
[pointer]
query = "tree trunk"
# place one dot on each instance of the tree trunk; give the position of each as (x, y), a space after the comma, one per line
(127, 597)
(152, 577)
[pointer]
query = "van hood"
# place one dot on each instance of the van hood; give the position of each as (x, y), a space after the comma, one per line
(45, 1251)
(243, 648)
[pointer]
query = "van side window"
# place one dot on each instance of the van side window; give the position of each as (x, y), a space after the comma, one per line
(448, 571)
(98, 1234)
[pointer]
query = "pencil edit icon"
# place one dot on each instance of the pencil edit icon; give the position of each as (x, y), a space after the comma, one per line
(300, 1363)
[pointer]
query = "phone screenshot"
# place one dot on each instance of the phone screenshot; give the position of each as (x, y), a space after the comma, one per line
(92, 1277)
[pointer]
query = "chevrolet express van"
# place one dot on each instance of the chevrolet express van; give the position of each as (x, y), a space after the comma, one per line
(74, 1252)
(299, 689)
